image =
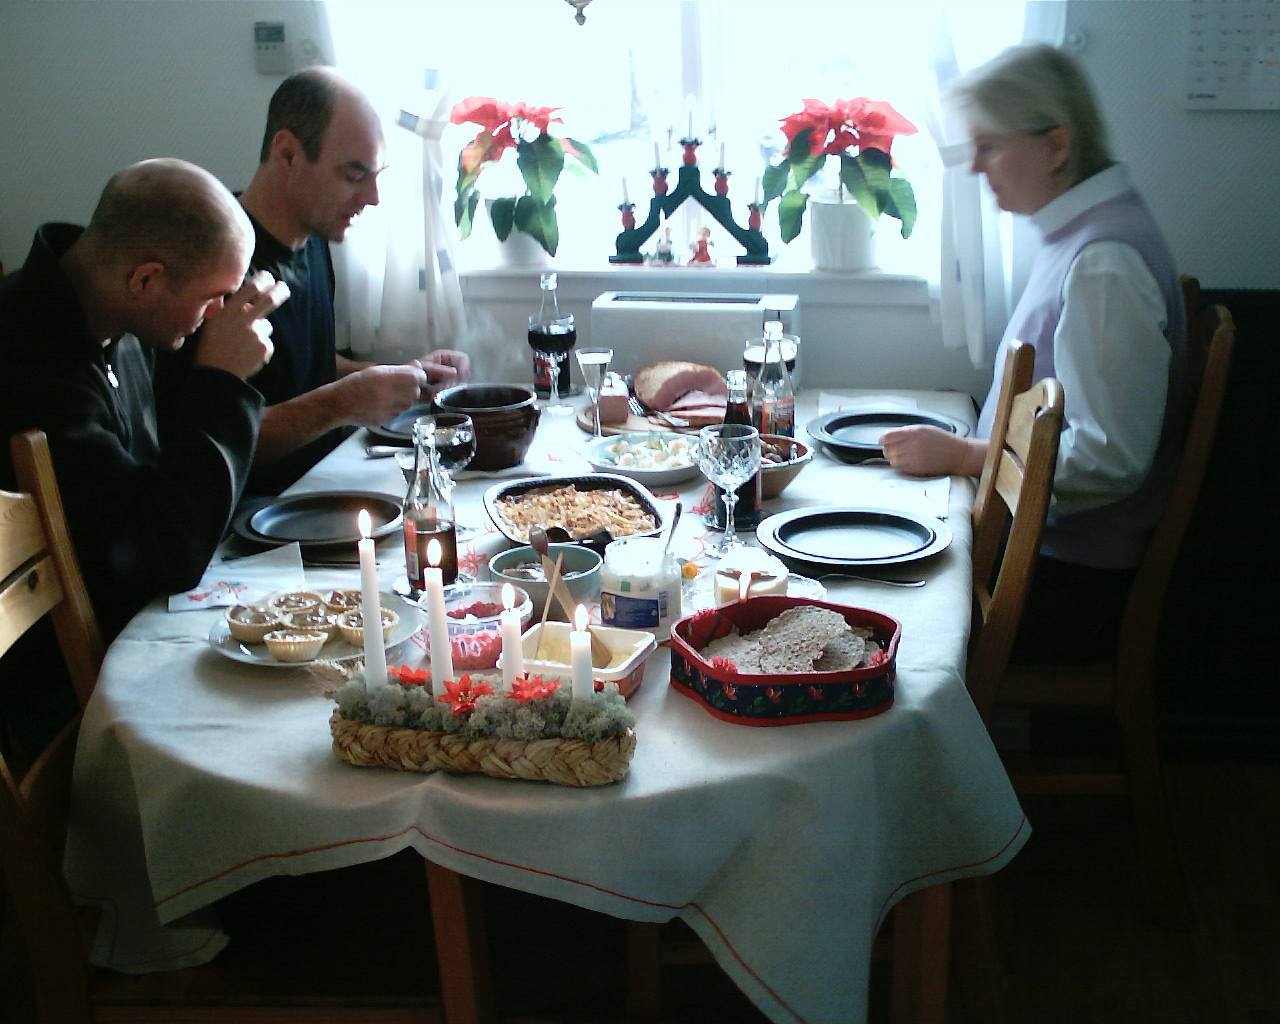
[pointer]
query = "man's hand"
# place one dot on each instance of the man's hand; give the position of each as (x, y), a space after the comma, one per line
(237, 338)
(377, 394)
(928, 451)
(444, 368)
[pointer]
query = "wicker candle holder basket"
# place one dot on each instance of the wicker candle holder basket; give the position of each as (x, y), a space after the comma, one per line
(566, 762)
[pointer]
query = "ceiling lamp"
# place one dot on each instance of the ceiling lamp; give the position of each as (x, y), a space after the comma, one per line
(578, 5)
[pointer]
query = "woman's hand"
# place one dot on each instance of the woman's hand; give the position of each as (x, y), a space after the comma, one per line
(928, 451)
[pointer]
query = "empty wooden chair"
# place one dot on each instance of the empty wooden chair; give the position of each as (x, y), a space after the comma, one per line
(1122, 688)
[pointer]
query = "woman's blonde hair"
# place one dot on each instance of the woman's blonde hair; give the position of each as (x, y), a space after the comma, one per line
(1033, 89)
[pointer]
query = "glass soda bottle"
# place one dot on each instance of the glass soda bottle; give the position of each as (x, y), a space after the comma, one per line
(747, 514)
(428, 512)
(774, 399)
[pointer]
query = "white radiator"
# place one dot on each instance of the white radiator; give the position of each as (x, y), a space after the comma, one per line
(646, 327)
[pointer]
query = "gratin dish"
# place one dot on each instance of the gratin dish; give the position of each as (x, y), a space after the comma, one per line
(782, 699)
(591, 482)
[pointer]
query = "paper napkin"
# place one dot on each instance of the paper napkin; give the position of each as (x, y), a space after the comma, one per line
(244, 580)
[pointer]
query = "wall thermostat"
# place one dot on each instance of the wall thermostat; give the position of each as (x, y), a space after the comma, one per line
(270, 48)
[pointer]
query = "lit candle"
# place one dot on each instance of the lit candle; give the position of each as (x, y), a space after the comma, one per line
(375, 658)
(512, 652)
(580, 657)
(722, 156)
(437, 621)
(625, 200)
(657, 159)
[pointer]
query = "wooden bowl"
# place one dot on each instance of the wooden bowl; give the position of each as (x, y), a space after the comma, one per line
(775, 476)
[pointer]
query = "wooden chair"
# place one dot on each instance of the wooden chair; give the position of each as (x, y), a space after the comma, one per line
(1008, 516)
(40, 576)
(40, 570)
(1123, 688)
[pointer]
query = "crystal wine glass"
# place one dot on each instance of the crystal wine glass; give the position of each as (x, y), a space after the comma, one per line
(552, 339)
(729, 456)
(594, 364)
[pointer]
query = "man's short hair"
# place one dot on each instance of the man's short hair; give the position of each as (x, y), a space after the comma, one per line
(302, 105)
(169, 212)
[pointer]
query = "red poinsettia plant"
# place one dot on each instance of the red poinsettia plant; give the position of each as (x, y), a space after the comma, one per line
(540, 157)
(860, 133)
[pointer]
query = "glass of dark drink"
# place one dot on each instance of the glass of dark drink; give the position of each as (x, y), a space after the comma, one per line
(552, 336)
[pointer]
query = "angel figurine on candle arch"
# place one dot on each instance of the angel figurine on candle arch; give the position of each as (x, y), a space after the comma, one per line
(702, 248)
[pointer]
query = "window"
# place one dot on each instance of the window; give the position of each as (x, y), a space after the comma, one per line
(639, 73)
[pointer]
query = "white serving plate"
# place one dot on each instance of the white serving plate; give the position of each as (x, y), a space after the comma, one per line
(602, 460)
(221, 640)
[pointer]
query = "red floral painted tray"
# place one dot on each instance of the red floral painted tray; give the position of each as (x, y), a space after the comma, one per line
(757, 699)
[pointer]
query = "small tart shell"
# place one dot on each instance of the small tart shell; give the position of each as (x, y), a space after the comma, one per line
(295, 601)
(249, 623)
(294, 644)
(352, 626)
(317, 620)
(339, 601)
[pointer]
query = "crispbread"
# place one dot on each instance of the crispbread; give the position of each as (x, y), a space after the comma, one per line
(802, 639)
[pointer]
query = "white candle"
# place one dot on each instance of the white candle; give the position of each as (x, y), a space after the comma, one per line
(375, 658)
(512, 652)
(625, 200)
(757, 190)
(689, 133)
(580, 657)
(722, 156)
(437, 621)
(657, 159)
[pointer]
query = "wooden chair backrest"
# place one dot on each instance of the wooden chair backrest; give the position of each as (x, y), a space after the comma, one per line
(39, 571)
(1211, 335)
(1008, 515)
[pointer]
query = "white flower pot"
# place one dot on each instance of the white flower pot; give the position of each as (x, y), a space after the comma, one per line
(519, 249)
(842, 236)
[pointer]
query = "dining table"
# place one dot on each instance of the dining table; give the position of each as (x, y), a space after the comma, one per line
(784, 848)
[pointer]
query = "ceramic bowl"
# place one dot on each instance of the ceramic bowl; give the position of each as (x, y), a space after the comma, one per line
(580, 571)
(505, 418)
(775, 476)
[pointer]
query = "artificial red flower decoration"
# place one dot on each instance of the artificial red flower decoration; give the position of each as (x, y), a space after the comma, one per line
(532, 687)
(462, 693)
(410, 676)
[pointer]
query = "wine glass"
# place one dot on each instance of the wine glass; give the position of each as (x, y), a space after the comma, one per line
(551, 340)
(594, 364)
(728, 455)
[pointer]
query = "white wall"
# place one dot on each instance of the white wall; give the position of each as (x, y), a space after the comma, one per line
(91, 85)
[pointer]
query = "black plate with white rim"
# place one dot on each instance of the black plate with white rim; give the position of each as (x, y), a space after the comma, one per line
(399, 430)
(854, 436)
(317, 518)
(840, 536)
(591, 482)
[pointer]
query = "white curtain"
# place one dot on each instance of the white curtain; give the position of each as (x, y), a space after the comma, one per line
(983, 259)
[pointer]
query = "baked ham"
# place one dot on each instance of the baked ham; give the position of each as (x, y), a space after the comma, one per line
(692, 391)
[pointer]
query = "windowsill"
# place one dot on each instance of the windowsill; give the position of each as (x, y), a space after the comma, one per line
(863, 288)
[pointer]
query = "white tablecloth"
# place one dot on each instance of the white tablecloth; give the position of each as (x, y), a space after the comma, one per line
(782, 847)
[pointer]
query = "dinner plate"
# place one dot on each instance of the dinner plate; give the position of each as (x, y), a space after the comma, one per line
(399, 430)
(837, 535)
(854, 436)
(317, 518)
(602, 460)
(221, 640)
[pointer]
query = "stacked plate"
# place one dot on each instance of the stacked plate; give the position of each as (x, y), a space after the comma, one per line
(854, 436)
(842, 537)
(319, 521)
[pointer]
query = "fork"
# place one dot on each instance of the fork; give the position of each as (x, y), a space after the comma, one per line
(634, 405)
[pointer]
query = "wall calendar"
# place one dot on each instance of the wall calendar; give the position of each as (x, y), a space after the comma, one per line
(1233, 55)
